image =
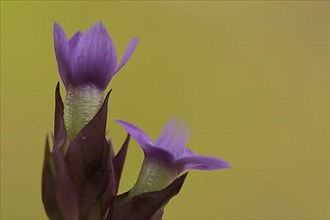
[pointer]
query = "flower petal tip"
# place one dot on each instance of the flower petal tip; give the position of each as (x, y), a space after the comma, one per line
(121, 122)
(135, 40)
(225, 165)
(217, 164)
(128, 53)
(56, 25)
(97, 28)
(137, 134)
(222, 164)
(199, 162)
(58, 30)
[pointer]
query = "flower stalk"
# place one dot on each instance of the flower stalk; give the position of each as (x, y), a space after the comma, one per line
(80, 106)
(154, 176)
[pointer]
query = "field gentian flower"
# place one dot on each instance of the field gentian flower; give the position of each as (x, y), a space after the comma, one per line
(88, 58)
(166, 158)
(86, 63)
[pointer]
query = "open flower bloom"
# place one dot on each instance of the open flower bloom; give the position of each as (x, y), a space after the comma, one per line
(166, 158)
(86, 63)
(88, 58)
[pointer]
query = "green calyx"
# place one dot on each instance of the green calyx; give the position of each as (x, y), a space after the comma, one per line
(80, 106)
(154, 175)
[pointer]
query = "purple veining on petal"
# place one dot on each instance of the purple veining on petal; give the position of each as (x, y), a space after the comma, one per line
(128, 53)
(187, 152)
(62, 54)
(73, 42)
(174, 137)
(95, 57)
(88, 58)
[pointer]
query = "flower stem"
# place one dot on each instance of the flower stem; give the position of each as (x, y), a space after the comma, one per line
(81, 105)
(154, 176)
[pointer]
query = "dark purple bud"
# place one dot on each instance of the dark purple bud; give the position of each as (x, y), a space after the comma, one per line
(58, 190)
(48, 185)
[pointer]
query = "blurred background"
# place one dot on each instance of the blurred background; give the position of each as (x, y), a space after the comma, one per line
(251, 78)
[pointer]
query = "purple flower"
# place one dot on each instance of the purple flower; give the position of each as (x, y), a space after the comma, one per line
(170, 148)
(88, 58)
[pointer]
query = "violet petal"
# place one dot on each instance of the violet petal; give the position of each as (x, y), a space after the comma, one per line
(174, 137)
(128, 53)
(95, 57)
(73, 42)
(62, 54)
(198, 162)
(139, 136)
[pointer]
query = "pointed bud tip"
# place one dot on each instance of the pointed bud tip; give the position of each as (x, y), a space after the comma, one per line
(57, 87)
(180, 180)
(47, 146)
(106, 99)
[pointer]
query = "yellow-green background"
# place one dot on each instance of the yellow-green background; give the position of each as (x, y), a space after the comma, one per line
(249, 77)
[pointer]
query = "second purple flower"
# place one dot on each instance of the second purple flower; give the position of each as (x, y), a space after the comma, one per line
(167, 157)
